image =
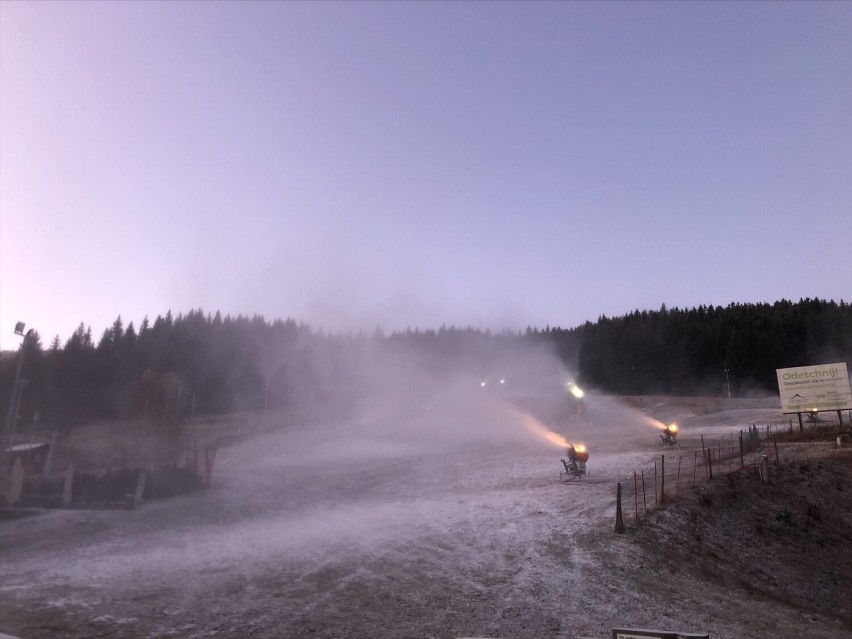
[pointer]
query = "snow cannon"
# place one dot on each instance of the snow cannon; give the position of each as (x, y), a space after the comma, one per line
(669, 436)
(575, 465)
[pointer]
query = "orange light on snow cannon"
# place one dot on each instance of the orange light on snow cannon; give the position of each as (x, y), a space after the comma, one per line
(672, 428)
(579, 452)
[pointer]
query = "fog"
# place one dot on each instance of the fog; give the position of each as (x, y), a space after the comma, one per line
(415, 437)
(432, 508)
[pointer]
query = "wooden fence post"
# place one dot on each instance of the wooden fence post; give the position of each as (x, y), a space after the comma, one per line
(68, 486)
(730, 455)
(619, 521)
(140, 488)
(636, 497)
(208, 466)
(742, 462)
(656, 502)
(677, 481)
(694, 466)
(16, 483)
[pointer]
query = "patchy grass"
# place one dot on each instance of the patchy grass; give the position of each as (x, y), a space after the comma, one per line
(788, 540)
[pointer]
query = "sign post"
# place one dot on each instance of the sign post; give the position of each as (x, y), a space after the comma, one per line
(813, 389)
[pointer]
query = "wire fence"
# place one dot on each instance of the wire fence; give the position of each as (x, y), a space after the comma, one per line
(678, 470)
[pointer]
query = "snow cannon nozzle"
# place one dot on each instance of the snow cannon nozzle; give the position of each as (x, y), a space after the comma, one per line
(578, 452)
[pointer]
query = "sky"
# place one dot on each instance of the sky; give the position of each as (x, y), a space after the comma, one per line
(357, 165)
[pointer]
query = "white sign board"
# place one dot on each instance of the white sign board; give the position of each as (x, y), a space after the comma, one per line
(814, 388)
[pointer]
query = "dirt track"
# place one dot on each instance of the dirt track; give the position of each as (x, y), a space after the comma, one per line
(361, 530)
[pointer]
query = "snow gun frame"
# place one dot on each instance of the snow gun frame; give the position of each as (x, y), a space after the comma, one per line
(574, 467)
(669, 437)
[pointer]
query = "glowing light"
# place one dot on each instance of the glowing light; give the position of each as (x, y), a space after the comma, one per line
(656, 423)
(482, 384)
(502, 381)
(673, 428)
(580, 448)
(576, 391)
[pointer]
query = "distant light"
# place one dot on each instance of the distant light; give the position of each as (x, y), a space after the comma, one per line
(502, 381)
(673, 428)
(576, 391)
(482, 384)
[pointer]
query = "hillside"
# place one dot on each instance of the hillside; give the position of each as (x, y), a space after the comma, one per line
(444, 523)
(788, 541)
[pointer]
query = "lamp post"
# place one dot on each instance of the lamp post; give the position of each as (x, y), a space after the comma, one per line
(22, 384)
(12, 412)
(728, 381)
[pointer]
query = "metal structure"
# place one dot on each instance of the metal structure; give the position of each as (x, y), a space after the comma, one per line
(575, 465)
(14, 401)
(669, 437)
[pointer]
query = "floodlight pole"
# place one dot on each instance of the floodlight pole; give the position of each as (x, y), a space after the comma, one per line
(728, 380)
(12, 412)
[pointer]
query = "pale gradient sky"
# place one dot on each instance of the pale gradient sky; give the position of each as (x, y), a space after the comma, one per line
(421, 163)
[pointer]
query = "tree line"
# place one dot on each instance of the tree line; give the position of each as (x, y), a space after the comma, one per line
(200, 363)
(707, 350)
